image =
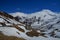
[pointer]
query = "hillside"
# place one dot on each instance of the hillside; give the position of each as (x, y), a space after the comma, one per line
(43, 25)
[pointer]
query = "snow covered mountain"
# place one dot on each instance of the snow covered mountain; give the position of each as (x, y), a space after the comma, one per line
(39, 19)
(43, 25)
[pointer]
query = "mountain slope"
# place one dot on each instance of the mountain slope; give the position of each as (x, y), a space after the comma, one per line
(43, 25)
(42, 18)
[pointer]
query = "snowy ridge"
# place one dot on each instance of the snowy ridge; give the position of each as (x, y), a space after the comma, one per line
(19, 14)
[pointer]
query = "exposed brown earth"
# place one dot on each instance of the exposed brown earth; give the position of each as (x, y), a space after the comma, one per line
(6, 15)
(4, 37)
(20, 29)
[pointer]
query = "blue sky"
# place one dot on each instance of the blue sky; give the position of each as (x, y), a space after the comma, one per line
(29, 6)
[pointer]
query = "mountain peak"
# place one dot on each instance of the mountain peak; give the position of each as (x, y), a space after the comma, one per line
(46, 10)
